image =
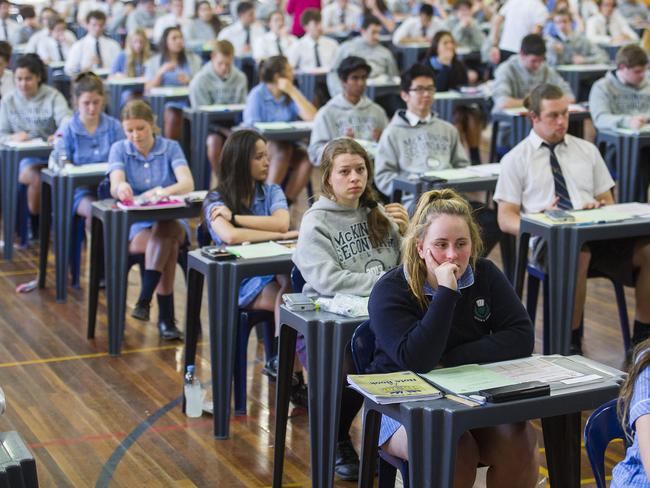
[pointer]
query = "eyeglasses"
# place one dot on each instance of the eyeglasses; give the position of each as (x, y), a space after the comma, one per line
(420, 90)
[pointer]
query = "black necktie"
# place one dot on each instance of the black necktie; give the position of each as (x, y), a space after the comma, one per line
(98, 52)
(342, 17)
(316, 56)
(424, 31)
(59, 48)
(277, 42)
(248, 35)
(561, 192)
(4, 27)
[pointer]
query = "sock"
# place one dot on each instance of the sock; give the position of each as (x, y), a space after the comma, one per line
(150, 279)
(474, 155)
(641, 332)
(165, 308)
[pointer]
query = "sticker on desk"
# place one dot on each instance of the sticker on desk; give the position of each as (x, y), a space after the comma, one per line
(259, 250)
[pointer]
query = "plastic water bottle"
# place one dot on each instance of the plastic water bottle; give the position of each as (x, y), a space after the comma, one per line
(193, 394)
(61, 163)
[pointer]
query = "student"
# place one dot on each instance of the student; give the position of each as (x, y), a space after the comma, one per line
(622, 97)
(55, 48)
(276, 42)
(528, 184)
(424, 315)
(174, 18)
(569, 47)
(143, 17)
(634, 411)
(9, 29)
(84, 7)
(29, 25)
(94, 50)
(350, 113)
(340, 16)
(244, 32)
(608, 26)
(635, 12)
(34, 109)
(365, 46)
(464, 28)
(87, 138)
(276, 99)
(313, 50)
(218, 82)
(44, 20)
(6, 75)
(295, 8)
(378, 10)
(145, 164)
(204, 26)
(347, 241)
(130, 63)
(420, 28)
(173, 66)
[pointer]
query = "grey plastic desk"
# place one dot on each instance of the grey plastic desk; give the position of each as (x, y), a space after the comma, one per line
(307, 82)
(409, 54)
(444, 106)
(326, 336)
(294, 134)
(9, 161)
(158, 102)
(563, 244)
(434, 427)
(195, 133)
(223, 278)
(630, 182)
(418, 187)
(115, 90)
(520, 124)
(110, 235)
(57, 191)
(378, 90)
(576, 75)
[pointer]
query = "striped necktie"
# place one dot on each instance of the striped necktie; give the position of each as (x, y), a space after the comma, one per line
(561, 192)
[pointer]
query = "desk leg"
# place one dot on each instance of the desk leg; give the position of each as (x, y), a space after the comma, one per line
(286, 355)
(562, 443)
(9, 175)
(626, 185)
(638, 187)
(116, 255)
(520, 264)
(96, 253)
(45, 224)
(192, 318)
(62, 193)
(432, 458)
(371, 424)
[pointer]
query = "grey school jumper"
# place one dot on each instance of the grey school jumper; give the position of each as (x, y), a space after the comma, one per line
(379, 58)
(208, 88)
(575, 45)
(337, 116)
(334, 254)
(404, 150)
(612, 103)
(39, 116)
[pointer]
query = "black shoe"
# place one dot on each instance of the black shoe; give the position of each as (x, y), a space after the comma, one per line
(298, 394)
(346, 465)
(576, 347)
(168, 331)
(141, 311)
(270, 369)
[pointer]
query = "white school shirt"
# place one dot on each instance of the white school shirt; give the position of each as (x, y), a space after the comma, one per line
(302, 55)
(83, 50)
(236, 34)
(412, 27)
(520, 18)
(331, 15)
(13, 31)
(596, 28)
(48, 51)
(526, 178)
(37, 37)
(162, 23)
(267, 45)
(6, 83)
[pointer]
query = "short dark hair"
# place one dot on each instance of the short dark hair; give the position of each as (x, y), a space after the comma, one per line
(533, 44)
(310, 15)
(351, 64)
(269, 67)
(369, 20)
(5, 51)
(462, 3)
(96, 14)
(544, 91)
(34, 64)
(27, 12)
(414, 72)
(426, 9)
(561, 12)
(53, 21)
(631, 55)
(244, 7)
(87, 82)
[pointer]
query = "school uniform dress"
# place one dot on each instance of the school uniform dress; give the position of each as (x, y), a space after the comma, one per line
(120, 66)
(81, 147)
(144, 173)
(261, 106)
(170, 78)
(483, 321)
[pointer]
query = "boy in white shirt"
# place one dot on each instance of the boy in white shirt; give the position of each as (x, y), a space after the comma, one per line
(276, 42)
(340, 16)
(56, 46)
(243, 33)
(420, 28)
(313, 50)
(6, 75)
(94, 50)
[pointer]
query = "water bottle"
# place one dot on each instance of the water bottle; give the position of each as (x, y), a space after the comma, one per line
(61, 163)
(193, 394)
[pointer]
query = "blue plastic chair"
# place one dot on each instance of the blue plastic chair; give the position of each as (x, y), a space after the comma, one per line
(363, 349)
(602, 427)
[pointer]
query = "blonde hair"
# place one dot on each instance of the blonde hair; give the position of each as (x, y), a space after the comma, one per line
(431, 205)
(378, 224)
(131, 56)
(137, 109)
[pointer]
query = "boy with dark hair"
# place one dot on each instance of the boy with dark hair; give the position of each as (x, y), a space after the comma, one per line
(418, 28)
(29, 24)
(464, 28)
(313, 50)
(6, 76)
(94, 50)
(9, 28)
(243, 33)
(566, 46)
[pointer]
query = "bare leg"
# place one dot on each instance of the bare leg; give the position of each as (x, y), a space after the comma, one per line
(581, 287)
(214, 144)
(280, 154)
(31, 176)
(84, 209)
(173, 124)
(300, 173)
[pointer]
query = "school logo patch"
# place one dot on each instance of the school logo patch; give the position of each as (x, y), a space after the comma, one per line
(481, 310)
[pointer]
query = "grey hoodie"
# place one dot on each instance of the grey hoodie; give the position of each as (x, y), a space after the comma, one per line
(471, 37)
(575, 44)
(207, 88)
(39, 117)
(334, 253)
(337, 116)
(380, 59)
(613, 103)
(405, 150)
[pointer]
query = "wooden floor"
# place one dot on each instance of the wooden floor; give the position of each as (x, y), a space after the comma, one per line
(93, 420)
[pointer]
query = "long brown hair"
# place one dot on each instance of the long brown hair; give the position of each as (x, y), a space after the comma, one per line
(431, 205)
(378, 224)
(640, 361)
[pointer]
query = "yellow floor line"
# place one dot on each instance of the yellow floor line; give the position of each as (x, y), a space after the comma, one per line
(20, 273)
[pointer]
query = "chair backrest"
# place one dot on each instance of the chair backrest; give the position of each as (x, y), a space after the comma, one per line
(104, 189)
(202, 235)
(297, 281)
(601, 428)
(363, 347)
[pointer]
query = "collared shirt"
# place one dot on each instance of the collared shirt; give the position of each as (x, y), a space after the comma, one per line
(82, 52)
(48, 49)
(170, 78)
(236, 34)
(465, 281)
(13, 31)
(120, 65)
(414, 120)
(262, 106)
(302, 54)
(267, 45)
(331, 15)
(412, 27)
(526, 178)
(600, 30)
(81, 147)
(144, 173)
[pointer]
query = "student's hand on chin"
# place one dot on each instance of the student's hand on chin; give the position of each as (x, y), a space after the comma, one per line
(444, 273)
(285, 85)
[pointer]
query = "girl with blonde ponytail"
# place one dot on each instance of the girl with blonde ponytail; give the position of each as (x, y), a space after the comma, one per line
(445, 306)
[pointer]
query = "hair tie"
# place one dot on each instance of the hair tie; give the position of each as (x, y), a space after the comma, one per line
(371, 204)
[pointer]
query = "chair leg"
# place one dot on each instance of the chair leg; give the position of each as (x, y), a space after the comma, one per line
(532, 296)
(622, 314)
(243, 330)
(269, 336)
(387, 474)
(78, 235)
(546, 313)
